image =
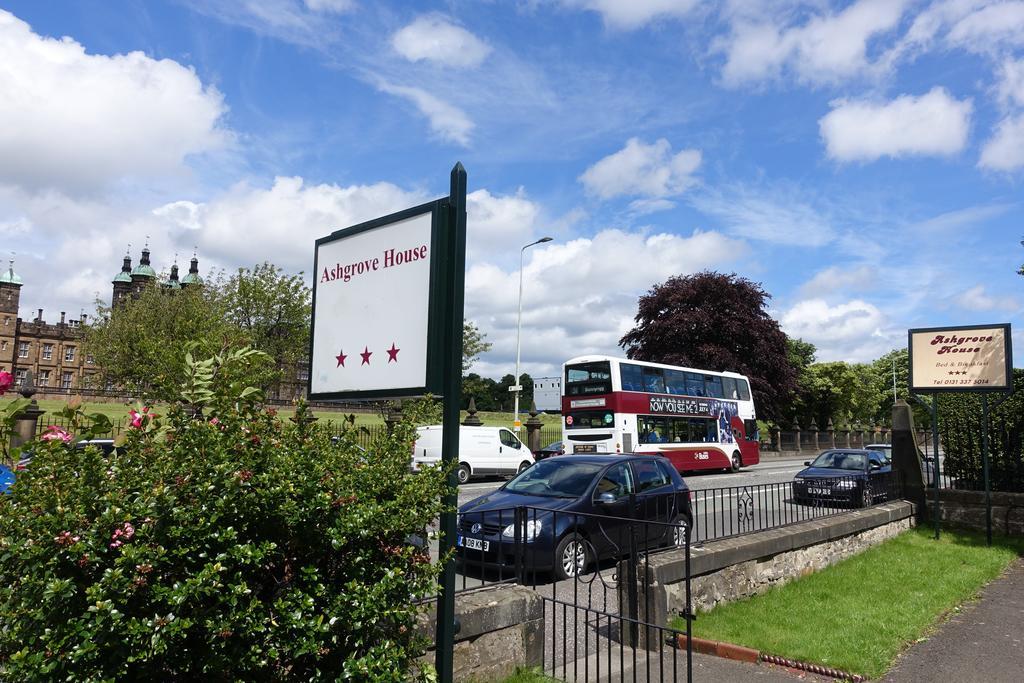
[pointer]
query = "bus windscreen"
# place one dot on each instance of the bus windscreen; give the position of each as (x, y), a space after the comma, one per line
(588, 378)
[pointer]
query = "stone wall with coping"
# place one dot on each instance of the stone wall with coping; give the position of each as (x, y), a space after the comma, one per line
(967, 509)
(735, 568)
(500, 629)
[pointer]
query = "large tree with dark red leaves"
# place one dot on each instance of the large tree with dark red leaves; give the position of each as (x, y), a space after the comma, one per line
(716, 322)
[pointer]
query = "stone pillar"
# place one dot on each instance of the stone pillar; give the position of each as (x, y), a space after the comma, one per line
(471, 419)
(533, 426)
(778, 440)
(394, 416)
(906, 458)
(830, 428)
(814, 428)
(25, 425)
(796, 432)
(846, 431)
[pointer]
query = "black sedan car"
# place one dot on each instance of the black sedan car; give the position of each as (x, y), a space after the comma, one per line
(843, 476)
(565, 514)
(556, 448)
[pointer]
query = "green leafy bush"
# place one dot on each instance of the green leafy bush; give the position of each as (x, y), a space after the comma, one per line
(219, 542)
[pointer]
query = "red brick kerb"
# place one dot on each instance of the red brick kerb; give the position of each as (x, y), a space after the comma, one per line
(746, 654)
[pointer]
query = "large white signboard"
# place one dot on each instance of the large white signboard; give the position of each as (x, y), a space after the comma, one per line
(371, 307)
(975, 358)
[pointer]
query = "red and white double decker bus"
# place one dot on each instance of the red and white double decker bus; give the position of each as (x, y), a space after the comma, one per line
(698, 419)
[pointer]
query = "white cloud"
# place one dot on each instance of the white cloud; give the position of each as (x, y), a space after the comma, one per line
(1011, 82)
(1005, 150)
(976, 299)
(330, 6)
(854, 331)
(641, 169)
(841, 278)
(993, 26)
(449, 122)
(77, 121)
(496, 224)
(248, 225)
(934, 124)
(777, 215)
(632, 14)
(434, 39)
(825, 49)
(570, 304)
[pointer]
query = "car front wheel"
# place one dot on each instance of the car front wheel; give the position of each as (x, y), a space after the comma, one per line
(867, 497)
(463, 473)
(523, 466)
(571, 556)
(737, 461)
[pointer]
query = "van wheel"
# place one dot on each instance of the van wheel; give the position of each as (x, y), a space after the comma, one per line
(737, 461)
(523, 466)
(463, 473)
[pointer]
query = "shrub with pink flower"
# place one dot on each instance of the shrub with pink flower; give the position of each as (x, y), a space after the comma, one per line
(6, 380)
(138, 419)
(56, 433)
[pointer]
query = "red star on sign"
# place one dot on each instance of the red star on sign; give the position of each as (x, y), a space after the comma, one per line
(366, 355)
(393, 353)
(341, 358)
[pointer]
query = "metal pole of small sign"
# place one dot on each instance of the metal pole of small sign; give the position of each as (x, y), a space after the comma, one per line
(935, 449)
(984, 468)
(455, 272)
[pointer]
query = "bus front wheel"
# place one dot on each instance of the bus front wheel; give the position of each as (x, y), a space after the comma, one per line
(737, 461)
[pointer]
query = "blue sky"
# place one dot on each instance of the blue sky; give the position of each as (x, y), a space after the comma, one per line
(863, 160)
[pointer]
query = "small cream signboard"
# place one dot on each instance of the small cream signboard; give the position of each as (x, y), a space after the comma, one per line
(974, 358)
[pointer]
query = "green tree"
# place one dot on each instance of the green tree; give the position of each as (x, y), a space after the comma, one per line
(473, 344)
(481, 389)
(273, 309)
(141, 344)
(718, 322)
(843, 392)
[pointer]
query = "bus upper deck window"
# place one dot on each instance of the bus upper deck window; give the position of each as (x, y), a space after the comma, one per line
(729, 388)
(744, 389)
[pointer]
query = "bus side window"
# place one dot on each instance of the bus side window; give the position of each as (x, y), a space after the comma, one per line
(675, 382)
(653, 380)
(713, 386)
(729, 388)
(632, 377)
(744, 389)
(694, 384)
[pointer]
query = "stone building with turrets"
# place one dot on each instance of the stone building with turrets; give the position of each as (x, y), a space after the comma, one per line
(53, 351)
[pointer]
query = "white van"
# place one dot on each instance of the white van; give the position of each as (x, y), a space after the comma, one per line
(482, 451)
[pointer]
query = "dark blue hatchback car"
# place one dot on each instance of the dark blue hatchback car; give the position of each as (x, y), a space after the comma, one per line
(564, 514)
(848, 476)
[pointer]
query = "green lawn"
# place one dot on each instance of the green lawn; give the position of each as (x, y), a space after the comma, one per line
(858, 615)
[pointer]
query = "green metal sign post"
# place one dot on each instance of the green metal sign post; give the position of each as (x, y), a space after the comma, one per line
(394, 287)
(456, 273)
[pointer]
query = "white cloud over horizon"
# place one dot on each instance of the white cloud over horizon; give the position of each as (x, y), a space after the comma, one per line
(626, 15)
(446, 120)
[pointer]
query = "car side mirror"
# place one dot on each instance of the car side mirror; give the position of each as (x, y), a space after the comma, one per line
(875, 466)
(605, 498)
(807, 463)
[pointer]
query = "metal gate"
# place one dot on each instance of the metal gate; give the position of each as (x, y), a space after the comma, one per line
(601, 623)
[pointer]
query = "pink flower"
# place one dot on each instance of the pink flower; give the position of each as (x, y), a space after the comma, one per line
(214, 421)
(55, 433)
(126, 531)
(6, 380)
(136, 418)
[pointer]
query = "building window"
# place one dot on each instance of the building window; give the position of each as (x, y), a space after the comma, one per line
(22, 349)
(69, 354)
(66, 379)
(19, 377)
(7, 321)
(303, 374)
(89, 359)
(3, 345)
(47, 351)
(44, 378)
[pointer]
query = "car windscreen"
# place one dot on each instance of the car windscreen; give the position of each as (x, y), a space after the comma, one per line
(555, 478)
(838, 460)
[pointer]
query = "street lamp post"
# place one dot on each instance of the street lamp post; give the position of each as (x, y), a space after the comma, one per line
(519, 329)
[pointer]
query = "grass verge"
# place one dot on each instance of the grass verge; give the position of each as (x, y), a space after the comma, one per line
(858, 615)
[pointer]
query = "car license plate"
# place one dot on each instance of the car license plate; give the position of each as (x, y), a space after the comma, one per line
(818, 491)
(473, 543)
(584, 448)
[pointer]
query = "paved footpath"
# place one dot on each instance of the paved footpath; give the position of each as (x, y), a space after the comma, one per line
(983, 642)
